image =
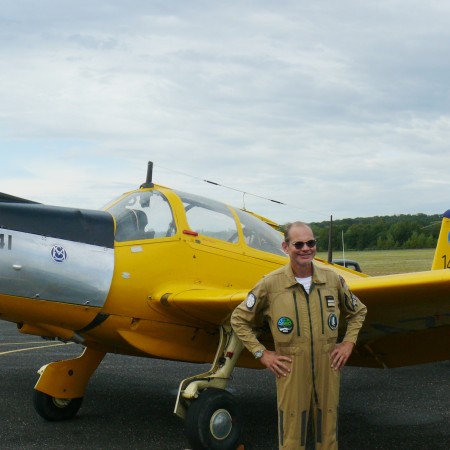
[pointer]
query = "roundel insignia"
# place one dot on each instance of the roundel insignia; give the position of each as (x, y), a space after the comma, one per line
(332, 321)
(251, 300)
(59, 254)
(285, 325)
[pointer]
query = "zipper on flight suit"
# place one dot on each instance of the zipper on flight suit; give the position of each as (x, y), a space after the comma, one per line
(296, 313)
(321, 311)
(316, 398)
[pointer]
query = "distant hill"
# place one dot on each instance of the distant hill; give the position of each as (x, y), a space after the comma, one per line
(405, 231)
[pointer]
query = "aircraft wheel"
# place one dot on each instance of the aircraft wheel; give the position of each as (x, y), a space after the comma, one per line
(214, 421)
(55, 409)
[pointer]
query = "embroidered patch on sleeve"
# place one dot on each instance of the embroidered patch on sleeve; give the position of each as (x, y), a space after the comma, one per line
(343, 283)
(250, 301)
(348, 303)
(354, 300)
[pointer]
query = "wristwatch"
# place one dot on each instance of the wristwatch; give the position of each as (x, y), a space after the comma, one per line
(259, 354)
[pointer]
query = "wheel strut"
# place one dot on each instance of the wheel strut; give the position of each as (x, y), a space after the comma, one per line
(228, 352)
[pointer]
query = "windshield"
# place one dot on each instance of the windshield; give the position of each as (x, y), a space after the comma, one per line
(215, 219)
(143, 215)
(209, 217)
(259, 235)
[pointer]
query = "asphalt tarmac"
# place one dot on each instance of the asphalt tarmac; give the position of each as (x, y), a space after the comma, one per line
(129, 404)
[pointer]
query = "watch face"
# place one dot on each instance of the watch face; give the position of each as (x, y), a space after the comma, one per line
(258, 354)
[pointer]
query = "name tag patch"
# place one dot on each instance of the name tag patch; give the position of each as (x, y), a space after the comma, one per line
(330, 301)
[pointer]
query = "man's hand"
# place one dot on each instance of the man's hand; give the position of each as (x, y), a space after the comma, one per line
(276, 363)
(340, 354)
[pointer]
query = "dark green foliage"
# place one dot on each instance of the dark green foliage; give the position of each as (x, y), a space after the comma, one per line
(405, 231)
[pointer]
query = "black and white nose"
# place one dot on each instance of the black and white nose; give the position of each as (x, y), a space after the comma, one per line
(55, 253)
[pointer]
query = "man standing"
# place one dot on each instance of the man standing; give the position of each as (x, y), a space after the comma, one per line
(302, 303)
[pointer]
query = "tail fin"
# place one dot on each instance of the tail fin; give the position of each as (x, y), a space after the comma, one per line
(442, 255)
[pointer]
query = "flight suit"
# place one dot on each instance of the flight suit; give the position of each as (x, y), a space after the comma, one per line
(305, 328)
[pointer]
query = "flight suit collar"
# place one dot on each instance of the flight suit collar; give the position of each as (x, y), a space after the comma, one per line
(317, 277)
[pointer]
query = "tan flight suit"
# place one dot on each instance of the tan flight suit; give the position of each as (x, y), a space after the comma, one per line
(305, 328)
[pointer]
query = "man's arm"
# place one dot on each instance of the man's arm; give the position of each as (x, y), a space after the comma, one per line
(353, 309)
(355, 313)
(248, 316)
(245, 318)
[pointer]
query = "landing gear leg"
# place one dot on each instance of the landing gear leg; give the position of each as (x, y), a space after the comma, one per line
(213, 419)
(60, 389)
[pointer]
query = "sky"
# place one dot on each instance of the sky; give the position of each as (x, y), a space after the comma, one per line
(330, 107)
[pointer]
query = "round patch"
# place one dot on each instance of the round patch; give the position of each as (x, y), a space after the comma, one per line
(332, 321)
(251, 300)
(59, 254)
(285, 325)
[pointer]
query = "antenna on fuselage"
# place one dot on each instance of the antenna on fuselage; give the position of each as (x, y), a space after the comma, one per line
(148, 182)
(330, 241)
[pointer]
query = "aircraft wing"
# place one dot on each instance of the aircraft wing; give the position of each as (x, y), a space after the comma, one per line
(212, 306)
(408, 319)
(203, 306)
(188, 324)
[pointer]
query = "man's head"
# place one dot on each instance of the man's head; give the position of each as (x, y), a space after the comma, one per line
(300, 245)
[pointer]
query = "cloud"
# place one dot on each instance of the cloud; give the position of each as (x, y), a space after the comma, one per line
(328, 107)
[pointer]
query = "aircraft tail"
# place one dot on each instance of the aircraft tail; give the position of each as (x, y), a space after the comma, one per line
(442, 255)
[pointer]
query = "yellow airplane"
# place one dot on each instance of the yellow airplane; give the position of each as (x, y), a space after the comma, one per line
(158, 273)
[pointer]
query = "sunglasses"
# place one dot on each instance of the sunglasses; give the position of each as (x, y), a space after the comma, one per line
(299, 245)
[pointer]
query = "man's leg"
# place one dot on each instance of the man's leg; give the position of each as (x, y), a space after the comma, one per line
(326, 410)
(294, 399)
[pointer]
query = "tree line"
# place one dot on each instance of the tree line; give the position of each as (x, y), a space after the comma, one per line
(405, 231)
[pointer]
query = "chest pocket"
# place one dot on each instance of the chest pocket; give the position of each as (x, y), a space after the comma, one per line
(329, 307)
(285, 317)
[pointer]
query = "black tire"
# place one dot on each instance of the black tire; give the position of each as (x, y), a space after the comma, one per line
(213, 421)
(55, 409)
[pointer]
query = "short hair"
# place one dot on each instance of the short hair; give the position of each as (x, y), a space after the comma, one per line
(294, 224)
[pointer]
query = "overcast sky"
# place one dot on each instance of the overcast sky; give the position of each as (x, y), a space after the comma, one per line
(332, 107)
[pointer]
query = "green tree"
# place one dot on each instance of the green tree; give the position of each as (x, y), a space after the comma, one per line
(380, 232)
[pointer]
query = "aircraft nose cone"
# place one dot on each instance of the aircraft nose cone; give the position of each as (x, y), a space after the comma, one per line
(58, 254)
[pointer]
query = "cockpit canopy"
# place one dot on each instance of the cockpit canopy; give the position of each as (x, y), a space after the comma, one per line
(143, 215)
(149, 215)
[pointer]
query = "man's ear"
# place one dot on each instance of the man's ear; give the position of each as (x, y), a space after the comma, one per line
(284, 246)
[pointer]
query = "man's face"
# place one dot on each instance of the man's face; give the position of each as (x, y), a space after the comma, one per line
(304, 255)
